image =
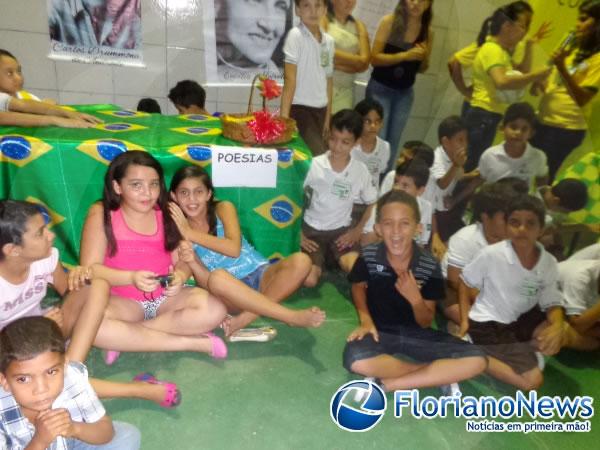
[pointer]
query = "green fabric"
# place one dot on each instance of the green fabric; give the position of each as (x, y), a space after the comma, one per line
(64, 170)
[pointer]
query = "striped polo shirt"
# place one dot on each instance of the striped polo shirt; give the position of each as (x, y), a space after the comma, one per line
(388, 308)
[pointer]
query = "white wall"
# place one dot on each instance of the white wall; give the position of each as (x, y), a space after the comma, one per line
(174, 50)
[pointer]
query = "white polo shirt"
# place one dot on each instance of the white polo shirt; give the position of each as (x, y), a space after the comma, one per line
(495, 164)
(506, 289)
(376, 161)
(441, 165)
(4, 101)
(463, 247)
(425, 208)
(314, 61)
(589, 252)
(578, 280)
(331, 194)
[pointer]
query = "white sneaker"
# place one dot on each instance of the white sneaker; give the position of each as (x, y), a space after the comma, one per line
(263, 334)
(541, 360)
(359, 396)
(450, 390)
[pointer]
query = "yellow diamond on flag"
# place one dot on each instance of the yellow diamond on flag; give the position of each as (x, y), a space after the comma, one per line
(126, 113)
(21, 150)
(105, 150)
(119, 127)
(275, 257)
(198, 131)
(280, 211)
(197, 117)
(52, 217)
(195, 153)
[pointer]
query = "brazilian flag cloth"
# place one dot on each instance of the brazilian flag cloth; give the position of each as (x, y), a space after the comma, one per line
(63, 169)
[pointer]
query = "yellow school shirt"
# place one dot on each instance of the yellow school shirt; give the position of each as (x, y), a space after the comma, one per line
(557, 107)
(490, 55)
(466, 56)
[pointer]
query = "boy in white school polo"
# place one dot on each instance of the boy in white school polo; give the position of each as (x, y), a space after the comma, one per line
(334, 183)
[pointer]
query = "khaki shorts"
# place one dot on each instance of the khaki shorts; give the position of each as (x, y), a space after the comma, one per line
(325, 239)
(510, 343)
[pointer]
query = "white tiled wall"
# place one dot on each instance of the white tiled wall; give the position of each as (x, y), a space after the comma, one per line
(174, 50)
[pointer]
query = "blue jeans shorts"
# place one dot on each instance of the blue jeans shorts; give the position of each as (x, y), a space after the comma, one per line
(253, 279)
(415, 343)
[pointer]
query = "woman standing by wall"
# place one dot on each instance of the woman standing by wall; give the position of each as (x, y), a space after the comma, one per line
(352, 52)
(573, 83)
(401, 49)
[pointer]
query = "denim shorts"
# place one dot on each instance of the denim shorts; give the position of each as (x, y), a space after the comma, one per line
(415, 343)
(253, 279)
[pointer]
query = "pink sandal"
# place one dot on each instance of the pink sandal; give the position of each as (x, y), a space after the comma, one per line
(111, 356)
(172, 394)
(219, 349)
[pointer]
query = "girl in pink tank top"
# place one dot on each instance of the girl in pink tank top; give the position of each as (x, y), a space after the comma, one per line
(132, 243)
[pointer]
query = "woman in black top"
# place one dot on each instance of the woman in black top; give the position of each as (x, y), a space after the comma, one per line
(400, 50)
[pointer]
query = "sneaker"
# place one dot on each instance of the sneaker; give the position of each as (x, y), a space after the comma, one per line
(359, 396)
(263, 334)
(450, 390)
(541, 360)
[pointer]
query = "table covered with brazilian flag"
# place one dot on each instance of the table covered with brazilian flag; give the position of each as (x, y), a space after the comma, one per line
(63, 169)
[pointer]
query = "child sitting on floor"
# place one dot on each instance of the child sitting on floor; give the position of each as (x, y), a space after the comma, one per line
(334, 182)
(447, 170)
(28, 264)
(47, 401)
(489, 206)
(395, 286)
(218, 246)
(515, 157)
(517, 280)
(566, 196)
(579, 278)
(30, 112)
(188, 97)
(373, 151)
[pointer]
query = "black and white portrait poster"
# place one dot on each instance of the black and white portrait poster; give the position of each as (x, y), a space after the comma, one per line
(96, 31)
(244, 38)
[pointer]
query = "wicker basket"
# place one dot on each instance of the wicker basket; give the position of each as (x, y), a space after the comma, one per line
(235, 126)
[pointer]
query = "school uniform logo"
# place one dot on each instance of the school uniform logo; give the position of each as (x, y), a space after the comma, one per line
(195, 153)
(279, 211)
(105, 150)
(21, 150)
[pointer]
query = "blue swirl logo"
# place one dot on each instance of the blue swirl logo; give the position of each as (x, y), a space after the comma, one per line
(358, 405)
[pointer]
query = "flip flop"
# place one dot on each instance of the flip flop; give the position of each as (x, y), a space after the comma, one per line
(263, 334)
(172, 394)
(219, 349)
(111, 356)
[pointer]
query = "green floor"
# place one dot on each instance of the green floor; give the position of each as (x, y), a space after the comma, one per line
(276, 395)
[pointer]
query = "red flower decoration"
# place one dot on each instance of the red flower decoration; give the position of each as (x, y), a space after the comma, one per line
(269, 89)
(266, 126)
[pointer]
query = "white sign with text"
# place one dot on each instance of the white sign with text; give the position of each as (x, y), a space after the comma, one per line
(243, 166)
